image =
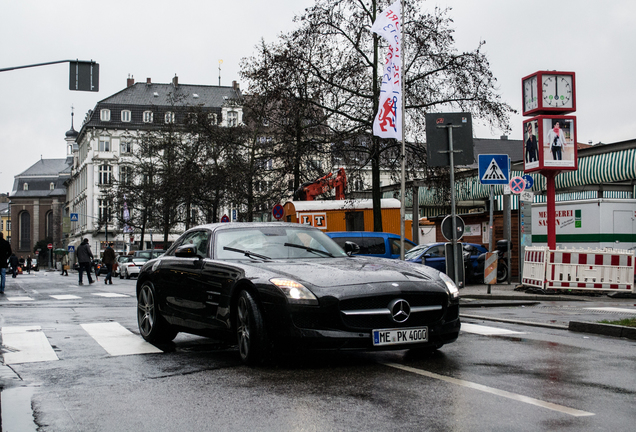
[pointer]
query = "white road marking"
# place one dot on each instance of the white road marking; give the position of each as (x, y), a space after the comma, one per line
(491, 390)
(116, 340)
(16, 299)
(613, 309)
(65, 297)
(110, 295)
(26, 344)
(486, 330)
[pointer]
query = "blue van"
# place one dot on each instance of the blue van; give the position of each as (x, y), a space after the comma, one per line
(377, 244)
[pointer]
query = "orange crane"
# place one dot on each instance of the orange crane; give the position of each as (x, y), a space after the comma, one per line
(310, 190)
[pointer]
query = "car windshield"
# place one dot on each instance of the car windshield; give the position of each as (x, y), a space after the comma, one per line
(415, 252)
(267, 242)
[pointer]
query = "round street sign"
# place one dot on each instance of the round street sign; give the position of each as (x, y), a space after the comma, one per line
(517, 185)
(278, 211)
(447, 228)
(529, 181)
(50, 246)
(225, 218)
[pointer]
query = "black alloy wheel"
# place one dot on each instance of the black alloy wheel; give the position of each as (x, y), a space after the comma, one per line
(250, 331)
(152, 326)
(502, 272)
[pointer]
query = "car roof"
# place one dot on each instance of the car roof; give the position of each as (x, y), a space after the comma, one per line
(365, 234)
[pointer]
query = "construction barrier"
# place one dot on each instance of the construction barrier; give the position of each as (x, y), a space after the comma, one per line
(591, 269)
(490, 268)
(534, 264)
(579, 269)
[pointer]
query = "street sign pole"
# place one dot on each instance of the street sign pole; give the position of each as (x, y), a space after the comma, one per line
(490, 223)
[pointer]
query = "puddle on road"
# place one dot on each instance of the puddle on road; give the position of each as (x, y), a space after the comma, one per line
(15, 410)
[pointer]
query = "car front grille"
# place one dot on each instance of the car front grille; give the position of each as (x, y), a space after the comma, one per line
(373, 312)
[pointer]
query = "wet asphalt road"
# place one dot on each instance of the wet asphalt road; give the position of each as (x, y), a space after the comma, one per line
(528, 378)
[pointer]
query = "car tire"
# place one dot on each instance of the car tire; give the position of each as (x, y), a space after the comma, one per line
(121, 276)
(250, 331)
(152, 326)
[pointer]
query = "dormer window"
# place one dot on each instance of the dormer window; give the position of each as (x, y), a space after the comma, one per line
(169, 117)
(125, 116)
(52, 186)
(25, 187)
(104, 115)
(232, 118)
(147, 116)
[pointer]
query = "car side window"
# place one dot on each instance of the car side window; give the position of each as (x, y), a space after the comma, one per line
(200, 240)
(373, 245)
(436, 251)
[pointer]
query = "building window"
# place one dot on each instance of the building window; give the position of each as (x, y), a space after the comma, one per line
(25, 231)
(125, 175)
(104, 144)
(104, 211)
(126, 147)
(105, 174)
(1, 225)
(125, 116)
(232, 118)
(147, 116)
(104, 115)
(213, 119)
(25, 187)
(52, 186)
(169, 117)
(48, 225)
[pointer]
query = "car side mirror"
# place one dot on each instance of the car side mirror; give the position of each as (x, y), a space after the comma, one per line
(186, 251)
(351, 248)
(428, 255)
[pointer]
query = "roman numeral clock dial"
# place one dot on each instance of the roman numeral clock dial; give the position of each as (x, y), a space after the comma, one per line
(557, 91)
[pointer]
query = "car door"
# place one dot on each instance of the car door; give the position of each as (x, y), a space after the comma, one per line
(181, 281)
(435, 257)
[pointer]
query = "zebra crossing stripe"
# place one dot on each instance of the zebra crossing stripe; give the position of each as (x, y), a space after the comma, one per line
(26, 344)
(486, 330)
(117, 340)
(65, 297)
(110, 295)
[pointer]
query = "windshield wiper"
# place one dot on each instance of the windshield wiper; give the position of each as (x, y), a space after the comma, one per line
(247, 253)
(309, 249)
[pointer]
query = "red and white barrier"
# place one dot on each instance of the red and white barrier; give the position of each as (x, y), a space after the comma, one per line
(591, 269)
(534, 264)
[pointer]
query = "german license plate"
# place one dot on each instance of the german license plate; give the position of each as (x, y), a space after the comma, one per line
(400, 336)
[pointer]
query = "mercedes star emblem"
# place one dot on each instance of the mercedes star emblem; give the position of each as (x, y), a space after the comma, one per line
(400, 310)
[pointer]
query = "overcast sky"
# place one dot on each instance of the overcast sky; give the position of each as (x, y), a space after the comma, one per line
(159, 39)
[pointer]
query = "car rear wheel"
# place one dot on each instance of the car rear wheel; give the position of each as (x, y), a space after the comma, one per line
(152, 325)
(502, 272)
(250, 331)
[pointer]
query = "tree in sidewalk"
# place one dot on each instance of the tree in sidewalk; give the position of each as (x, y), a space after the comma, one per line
(334, 49)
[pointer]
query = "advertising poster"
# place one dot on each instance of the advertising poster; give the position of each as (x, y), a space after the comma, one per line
(531, 144)
(559, 142)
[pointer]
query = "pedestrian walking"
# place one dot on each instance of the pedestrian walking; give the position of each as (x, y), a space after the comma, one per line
(5, 253)
(84, 258)
(109, 259)
(29, 261)
(21, 262)
(15, 263)
(64, 265)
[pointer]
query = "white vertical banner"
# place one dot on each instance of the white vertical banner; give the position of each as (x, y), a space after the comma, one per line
(388, 120)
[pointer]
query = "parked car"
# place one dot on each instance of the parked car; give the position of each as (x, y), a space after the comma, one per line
(434, 255)
(119, 260)
(148, 254)
(131, 267)
(34, 264)
(377, 244)
(269, 287)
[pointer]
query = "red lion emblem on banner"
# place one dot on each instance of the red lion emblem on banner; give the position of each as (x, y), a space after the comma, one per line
(387, 113)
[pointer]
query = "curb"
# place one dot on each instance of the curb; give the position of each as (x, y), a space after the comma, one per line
(497, 304)
(529, 297)
(603, 329)
(510, 321)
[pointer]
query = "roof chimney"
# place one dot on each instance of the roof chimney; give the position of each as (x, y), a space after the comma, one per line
(130, 81)
(148, 81)
(175, 81)
(235, 85)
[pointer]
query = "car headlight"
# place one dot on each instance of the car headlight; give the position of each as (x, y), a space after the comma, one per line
(295, 292)
(452, 288)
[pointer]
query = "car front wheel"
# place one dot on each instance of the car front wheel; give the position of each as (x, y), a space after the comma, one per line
(250, 331)
(152, 325)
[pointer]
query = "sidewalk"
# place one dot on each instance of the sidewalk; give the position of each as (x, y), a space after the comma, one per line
(505, 292)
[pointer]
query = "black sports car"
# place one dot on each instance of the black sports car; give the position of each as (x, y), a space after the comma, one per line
(275, 286)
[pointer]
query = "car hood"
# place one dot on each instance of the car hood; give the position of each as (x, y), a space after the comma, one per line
(349, 271)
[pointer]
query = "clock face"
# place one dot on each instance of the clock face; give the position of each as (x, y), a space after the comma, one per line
(557, 91)
(530, 96)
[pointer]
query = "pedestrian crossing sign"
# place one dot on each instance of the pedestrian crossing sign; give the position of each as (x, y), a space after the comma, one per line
(494, 169)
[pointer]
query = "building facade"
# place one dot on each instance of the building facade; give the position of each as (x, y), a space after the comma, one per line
(102, 151)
